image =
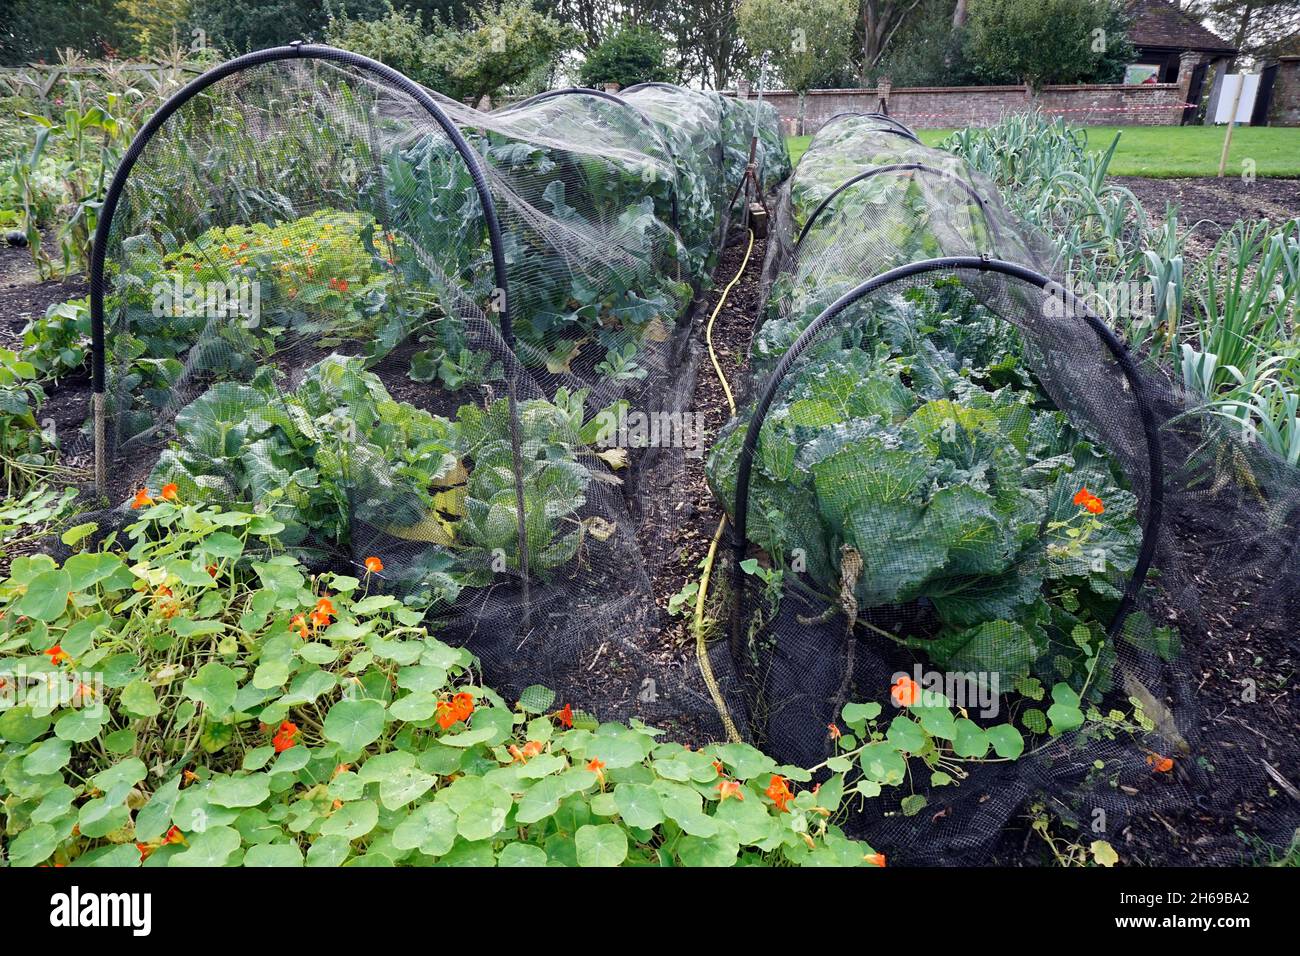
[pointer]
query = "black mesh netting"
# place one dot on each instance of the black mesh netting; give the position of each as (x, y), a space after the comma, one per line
(409, 330)
(952, 471)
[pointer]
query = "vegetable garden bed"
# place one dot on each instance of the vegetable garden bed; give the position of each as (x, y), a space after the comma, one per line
(336, 501)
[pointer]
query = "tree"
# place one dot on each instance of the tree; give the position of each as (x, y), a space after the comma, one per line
(1048, 41)
(707, 41)
(154, 25)
(38, 29)
(802, 38)
(927, 50)
(504, 43)
(880, 21)
(1256, 27)
(398, 40)
(632, 55)
(599, 19)
(238, 26)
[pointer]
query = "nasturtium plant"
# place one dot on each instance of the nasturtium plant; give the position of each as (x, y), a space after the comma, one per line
(172, 707)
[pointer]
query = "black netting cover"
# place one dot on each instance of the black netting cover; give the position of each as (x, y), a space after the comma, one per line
(948, 470)
(406, 329)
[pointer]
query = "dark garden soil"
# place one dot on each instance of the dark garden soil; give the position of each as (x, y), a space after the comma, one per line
(1208, 206)
(675, 540)
(20, 302)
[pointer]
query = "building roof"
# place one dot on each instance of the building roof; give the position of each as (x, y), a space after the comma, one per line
(1157, 23)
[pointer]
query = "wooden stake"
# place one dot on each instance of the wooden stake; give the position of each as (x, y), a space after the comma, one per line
(1232, 122)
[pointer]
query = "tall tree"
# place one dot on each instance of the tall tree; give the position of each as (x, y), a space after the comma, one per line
(708, 41)
(801, 37)
(505, 42)
(598, 19)
(880, 21)
(632, 55)
(36, 30)
(1048, 41)
(1254, 26)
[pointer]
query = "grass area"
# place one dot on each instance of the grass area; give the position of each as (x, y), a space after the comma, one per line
(1165, 152)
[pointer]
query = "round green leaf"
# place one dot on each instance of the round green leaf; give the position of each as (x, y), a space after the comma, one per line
(430, 828)
(1007, 741)
(46, 597)
(212, 847)
(352, 820)
(138, 700)
(602, 844)
(971, 740)
(638, 805)
(521, 854)
(273, 854)
(354, 724)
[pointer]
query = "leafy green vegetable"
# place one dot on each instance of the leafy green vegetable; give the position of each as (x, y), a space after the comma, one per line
(338, 452)
(919, 440)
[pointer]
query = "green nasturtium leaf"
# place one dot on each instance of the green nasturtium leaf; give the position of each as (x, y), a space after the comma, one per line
(354, 724)
(602, 844)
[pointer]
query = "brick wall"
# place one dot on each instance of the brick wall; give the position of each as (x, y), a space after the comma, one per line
(1285, 108)
(1151, 104)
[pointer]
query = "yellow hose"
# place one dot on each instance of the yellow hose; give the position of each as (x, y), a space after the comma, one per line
(701, 650)
(708, 332)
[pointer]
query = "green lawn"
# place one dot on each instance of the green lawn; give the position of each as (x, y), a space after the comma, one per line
(1170, 151)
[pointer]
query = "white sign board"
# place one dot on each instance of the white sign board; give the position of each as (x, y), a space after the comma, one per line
(1227, 92)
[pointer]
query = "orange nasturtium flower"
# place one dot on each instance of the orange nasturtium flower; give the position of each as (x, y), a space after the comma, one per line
(905, 692)
(875, 859)
(174, 835)
(729, 788)
(325, 606)
(299, 623)
(835, 731)
(1160, 764)
(597, 766)
(460, 707)
(527, 752)
(1088, 501)
(565, 715)
(169, 491)
(374, 565)
(58, 655)
(284, 737)
(141, 499)
(779, 792)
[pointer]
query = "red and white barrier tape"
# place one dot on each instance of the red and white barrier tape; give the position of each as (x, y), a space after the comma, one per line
(905, 115)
